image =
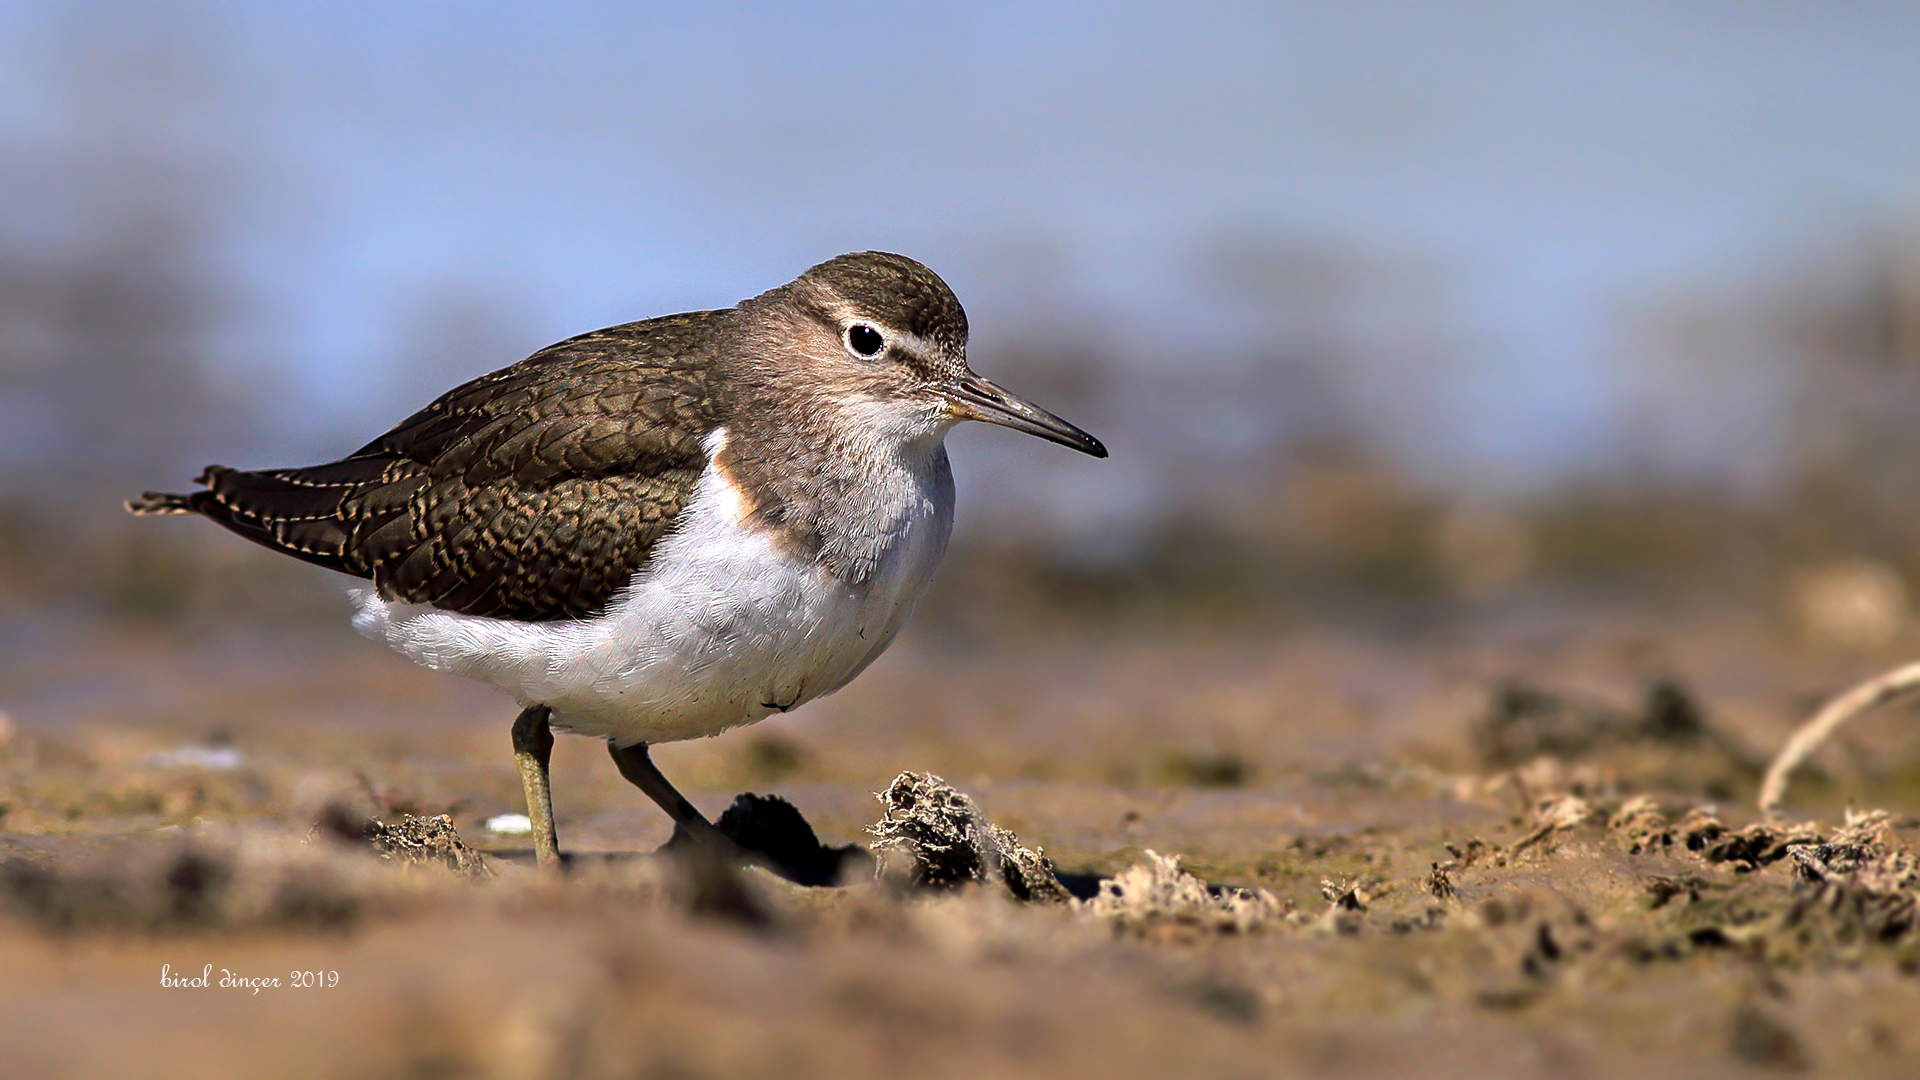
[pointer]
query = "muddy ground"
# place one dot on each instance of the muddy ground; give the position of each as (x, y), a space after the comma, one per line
(1516, 842)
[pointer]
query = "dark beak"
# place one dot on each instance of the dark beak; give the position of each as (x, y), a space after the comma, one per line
(971, 397)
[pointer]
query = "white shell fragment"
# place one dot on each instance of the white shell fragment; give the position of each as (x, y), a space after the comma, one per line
(510, 824)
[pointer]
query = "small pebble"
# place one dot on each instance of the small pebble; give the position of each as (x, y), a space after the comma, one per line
(217, 758)
(510, 824)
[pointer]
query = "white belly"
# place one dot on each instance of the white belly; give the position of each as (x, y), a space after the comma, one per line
(721, 628)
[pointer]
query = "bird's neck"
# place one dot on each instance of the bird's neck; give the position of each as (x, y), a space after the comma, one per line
(839, 481)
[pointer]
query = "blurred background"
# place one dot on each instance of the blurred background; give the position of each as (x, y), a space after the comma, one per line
(1392, 315)
(1505, 401)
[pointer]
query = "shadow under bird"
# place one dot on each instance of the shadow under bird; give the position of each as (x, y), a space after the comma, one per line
(663, 529)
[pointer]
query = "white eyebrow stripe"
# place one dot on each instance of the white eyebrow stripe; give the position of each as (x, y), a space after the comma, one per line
(912, 343)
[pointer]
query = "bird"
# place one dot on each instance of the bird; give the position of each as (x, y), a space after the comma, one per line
(659, 530)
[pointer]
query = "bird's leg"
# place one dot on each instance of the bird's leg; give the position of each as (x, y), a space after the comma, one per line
(533, 749)
(638, 767)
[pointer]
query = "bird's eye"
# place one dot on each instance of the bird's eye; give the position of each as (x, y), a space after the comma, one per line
(864, 340)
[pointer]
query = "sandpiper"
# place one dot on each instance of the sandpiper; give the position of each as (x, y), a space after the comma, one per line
(663, 529)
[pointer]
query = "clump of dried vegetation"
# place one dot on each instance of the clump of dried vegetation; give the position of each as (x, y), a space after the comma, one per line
(932, 835)
(1156, 897)
(433, 840)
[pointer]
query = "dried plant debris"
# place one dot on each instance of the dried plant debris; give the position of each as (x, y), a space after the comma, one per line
(1439, 880)
(933, 836)
(1860, 880)
(1759, 844)
(1854, 888)
(1756, 845)
(1155, 894)
(1640, 825)
(1347, 903)
(1642, 828)
(1553, 814)
(427, 841)
(1781, 894)
(930, 834)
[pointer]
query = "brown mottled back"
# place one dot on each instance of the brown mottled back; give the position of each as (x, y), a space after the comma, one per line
(533, 493)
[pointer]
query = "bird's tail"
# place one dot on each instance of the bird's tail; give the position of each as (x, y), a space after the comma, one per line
(160, 502)
(153, 503)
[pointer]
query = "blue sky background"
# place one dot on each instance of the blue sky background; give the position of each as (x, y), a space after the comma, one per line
(399, 196)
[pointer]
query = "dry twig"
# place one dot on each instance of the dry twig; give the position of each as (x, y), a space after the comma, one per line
(1865, 697)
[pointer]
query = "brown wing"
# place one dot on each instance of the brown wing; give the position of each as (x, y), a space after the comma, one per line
(533, 493)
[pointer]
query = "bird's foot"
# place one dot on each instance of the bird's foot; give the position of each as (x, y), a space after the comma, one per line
(769, 832)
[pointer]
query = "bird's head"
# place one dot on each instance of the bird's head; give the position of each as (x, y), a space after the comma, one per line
(883, 334)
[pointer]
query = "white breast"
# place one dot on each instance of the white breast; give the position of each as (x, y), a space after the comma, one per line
(720, 629)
